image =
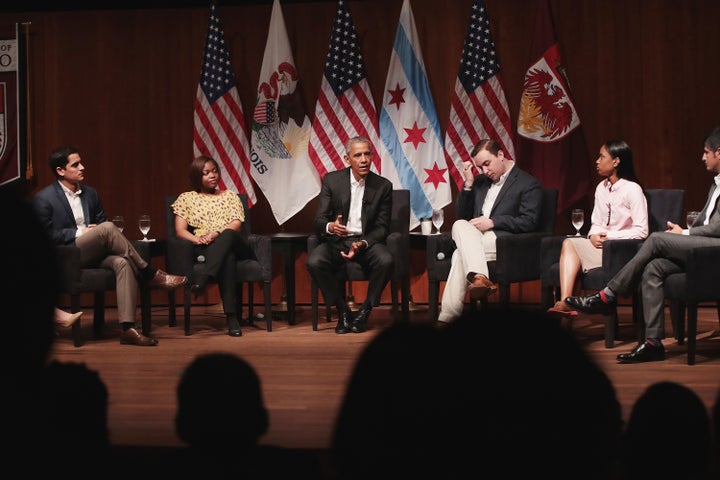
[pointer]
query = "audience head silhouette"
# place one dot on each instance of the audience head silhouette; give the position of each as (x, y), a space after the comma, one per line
(435, 403)
(220, 403)
(77, 409)
(28, 290)
(668, 412)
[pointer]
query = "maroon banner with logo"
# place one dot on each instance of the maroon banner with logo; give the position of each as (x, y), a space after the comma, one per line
(13, 156)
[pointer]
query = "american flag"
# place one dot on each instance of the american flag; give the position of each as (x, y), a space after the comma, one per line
(409, 126)
(219, 125)
(345, 106)
(479, 108)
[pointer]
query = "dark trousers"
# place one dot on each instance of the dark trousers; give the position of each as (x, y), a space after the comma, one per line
(325, 261)
(221, 258)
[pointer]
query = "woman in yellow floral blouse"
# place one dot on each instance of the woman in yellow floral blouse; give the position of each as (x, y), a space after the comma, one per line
(211, 218)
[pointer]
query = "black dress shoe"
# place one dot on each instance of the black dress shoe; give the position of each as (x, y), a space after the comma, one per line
(644, 352)
(591, 304)
(234, 326)
(360, 323)
(344, 324)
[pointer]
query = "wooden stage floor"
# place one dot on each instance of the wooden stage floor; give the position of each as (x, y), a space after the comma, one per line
(304, 372)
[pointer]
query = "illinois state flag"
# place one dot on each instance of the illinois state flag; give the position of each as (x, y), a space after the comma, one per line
(550, 142)
(409, 126)
(218, 121)
(479, 108)
(345, 106)
(281, 165)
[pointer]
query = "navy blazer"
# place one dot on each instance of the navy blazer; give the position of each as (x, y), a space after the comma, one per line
(334, 200)
(56, 216)
(516, 209)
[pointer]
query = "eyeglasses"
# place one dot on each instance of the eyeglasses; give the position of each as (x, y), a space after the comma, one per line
(609, 213)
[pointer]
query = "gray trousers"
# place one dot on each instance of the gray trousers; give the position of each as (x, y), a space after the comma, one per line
(662, 254)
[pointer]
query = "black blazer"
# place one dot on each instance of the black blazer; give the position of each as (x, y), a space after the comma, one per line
(57, 217)
(334, 200)
(516, 209)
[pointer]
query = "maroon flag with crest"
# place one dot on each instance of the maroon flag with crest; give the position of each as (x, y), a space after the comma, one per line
(550, 142)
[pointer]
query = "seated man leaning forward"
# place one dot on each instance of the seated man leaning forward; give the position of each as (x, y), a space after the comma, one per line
(502, 201)
(352, 223)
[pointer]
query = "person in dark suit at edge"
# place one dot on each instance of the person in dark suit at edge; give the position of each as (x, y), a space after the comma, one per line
(352, 223)
(504, 200)
(72, 214)
(662, 254)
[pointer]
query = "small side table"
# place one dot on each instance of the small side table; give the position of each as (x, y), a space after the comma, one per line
(290, 245)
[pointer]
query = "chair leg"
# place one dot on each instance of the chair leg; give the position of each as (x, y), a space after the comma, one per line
(611, 322)
(172, 320)
(76, 329)
(691, 332)
(99, 314)
(405, 298)
(504, 292)
(268, 306)
(314, 303)
(251, 303)
(186, 309)
(145, 310)
(433, 296)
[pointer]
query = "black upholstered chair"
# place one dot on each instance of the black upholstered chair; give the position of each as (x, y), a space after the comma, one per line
(75, 281)
(398, 242)
(663, 205)
(516, 259)
(698, 283)
(180, 259)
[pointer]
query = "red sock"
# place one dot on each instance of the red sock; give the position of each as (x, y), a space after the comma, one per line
(603, 297)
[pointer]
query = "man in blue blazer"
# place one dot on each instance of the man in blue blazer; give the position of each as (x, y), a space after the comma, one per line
(661, 255)
(504, 200)
(72, 214)
(352, 223)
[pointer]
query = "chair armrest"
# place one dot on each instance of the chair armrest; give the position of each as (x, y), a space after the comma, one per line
(517, 257)
(438, 270)
(312, 242)
(399, 246)
(616, 253)
(262, 248)
(179, 256)
(702, 274)
(550, 248)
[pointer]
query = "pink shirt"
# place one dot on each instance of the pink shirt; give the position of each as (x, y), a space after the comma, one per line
(620, 210)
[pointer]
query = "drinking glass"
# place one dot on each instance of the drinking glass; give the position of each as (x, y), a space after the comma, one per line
(437, 220)
(144, 224)
(119, 222)
(691, 217)
(578, 220)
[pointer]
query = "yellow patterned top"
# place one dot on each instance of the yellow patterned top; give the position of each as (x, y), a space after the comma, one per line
(208, 213)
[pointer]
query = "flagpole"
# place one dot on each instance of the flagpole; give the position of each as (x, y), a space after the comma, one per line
(29, 172)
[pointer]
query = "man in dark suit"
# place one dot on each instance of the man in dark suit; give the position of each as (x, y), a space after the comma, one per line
(662, 254)
(353, 222)
(72, 213)
(504, 200)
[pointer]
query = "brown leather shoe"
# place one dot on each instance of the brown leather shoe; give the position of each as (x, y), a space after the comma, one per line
(165, 280)
(133, 337)
(481, 287)
(562, 309)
